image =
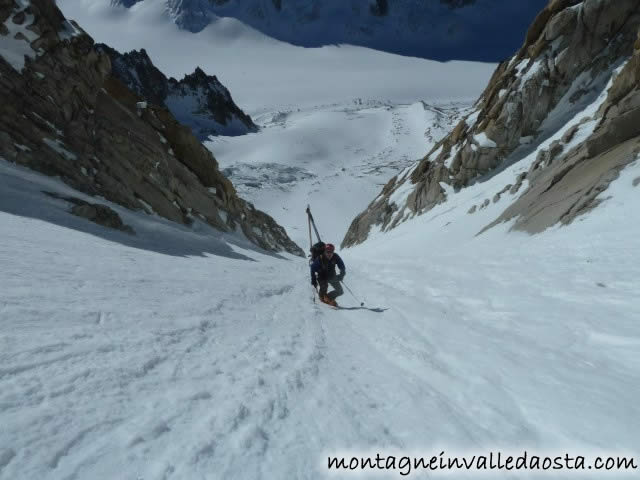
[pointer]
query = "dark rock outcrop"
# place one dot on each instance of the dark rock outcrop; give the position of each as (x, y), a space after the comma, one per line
(95, 212)
(198, 100)
(102, 215)
(571, 53)
(64, 114)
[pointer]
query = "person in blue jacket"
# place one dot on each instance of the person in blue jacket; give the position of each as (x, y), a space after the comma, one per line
(323, 272)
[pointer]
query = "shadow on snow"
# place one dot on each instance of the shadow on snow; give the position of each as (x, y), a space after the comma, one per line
(22, 194)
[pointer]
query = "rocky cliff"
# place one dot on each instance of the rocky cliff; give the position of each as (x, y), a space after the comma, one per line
(65, 114)
(566, 106)
(199, 100)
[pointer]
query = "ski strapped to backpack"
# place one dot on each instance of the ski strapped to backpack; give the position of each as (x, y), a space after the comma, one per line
(312, 223)
(316, 249)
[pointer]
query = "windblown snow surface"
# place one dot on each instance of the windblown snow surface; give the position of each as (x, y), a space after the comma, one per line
(187, 354)
(180, 354)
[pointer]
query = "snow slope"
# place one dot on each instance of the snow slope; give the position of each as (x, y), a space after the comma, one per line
(150, 360)
(187, 354)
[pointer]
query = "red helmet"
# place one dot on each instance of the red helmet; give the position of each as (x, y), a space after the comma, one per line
(329, 248)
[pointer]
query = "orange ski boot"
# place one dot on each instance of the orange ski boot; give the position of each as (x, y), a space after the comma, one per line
(329, 301)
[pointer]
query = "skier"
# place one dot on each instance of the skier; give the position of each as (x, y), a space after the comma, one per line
(324, 266)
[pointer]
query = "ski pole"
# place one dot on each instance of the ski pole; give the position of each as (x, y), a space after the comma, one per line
(347, 287)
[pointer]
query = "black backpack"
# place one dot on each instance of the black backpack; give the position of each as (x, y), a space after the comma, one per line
(316, 251)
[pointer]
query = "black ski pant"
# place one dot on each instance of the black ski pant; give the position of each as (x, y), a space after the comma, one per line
(324, 286)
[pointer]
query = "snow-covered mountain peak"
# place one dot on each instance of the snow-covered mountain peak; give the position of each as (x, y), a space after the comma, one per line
(485, 30)
(198, 100)
(201, 101)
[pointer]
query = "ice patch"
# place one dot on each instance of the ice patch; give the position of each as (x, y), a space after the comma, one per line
(59, 147)
(24, 148)
(448, 189)
(434, 156)
(452, 156)
(51, 126)
(12, 49)
(401, 194)
(472, 119)
(532, 71)
(483, 141)
(146, 206)
(68, 31)
(521, 65)
(163, 139)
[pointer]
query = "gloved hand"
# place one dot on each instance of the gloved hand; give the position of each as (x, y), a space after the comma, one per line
(314, 282)
(341, 276)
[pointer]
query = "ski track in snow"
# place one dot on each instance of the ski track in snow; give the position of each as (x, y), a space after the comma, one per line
(143, 365)
(122, 362)
(99, 387)
(118, 361)
(124, 359)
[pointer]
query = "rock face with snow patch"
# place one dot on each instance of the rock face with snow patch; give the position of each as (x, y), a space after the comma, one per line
(564, 182)
(65, 114)
(573, 78)
(198, 100)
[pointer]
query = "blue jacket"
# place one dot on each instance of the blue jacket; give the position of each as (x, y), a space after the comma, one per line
(325, 268)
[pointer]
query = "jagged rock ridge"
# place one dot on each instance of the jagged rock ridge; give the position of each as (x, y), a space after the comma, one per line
(567, 100)
(198, 100)
(65, 114)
